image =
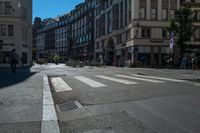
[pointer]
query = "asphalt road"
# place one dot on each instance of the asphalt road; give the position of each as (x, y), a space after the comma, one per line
(102, 100)
(123, 100)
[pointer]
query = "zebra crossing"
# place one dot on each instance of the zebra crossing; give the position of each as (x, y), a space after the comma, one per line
(127, 82)
(90, 82)
(60, 85)
(160, 78)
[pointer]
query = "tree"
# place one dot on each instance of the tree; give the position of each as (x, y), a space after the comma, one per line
(182, 27)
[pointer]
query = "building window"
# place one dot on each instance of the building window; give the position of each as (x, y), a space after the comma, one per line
(172, 13)
(7, 8)
(130, 10)
(142, 14)
(102, 44)
(146, 32)
(116, 17)
(154, 13)
(25, 34)
(97, 45)
(128, 34)
(164, 14)
(121, 14)
(197, 35)
(2, 30)
(197, 16)
(119, 38)
(1, 8)
(164, 33)
(10, 30)
(109, 22)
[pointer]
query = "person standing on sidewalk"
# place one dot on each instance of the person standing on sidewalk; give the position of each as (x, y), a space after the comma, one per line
(13, 60)
(194, 63)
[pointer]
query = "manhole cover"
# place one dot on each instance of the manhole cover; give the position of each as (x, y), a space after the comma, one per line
(70, 106)
(1, 103)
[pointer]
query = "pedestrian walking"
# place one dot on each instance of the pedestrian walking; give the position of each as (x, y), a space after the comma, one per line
(13, 60)
(121, 61)
(193, 63)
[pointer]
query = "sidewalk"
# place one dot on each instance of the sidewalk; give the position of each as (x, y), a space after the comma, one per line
(20, 101)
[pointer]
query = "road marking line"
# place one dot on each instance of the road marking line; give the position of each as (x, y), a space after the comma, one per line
(160, 78)
(49, 117)
(60, 85)
(142, 79)
(78, 104)
(197, 84)
(127, 82)
(90, 82)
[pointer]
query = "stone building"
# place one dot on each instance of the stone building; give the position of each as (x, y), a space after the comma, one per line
(16, 31)
(82, 37)
(133, 30)
(45, 39)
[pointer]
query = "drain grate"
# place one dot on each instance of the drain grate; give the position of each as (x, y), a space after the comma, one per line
(70, 106)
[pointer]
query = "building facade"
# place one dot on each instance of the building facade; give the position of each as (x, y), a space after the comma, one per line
(133, 31)
(15, 31)
(45, 39)
(62, 37)
(194, 45)
(37, 24)
(53, 38)
(82, 37)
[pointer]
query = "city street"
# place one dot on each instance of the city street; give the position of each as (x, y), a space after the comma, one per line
(100, 66)
(100, 100)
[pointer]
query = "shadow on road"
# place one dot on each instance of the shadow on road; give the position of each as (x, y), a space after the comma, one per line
(9, 79)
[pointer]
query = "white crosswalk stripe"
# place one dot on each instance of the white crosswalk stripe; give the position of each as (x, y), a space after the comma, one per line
(60, 85)
(160, 78)
(90, 82)
(127, 82)
(142, 79)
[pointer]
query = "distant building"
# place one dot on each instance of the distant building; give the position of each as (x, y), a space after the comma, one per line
(133, 30)
(15, 31)
(45, 39)
(53, 38)
(62, 37)
(82, 37)
(37, 24)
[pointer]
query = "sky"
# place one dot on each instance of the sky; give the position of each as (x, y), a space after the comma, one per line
(53, 8)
